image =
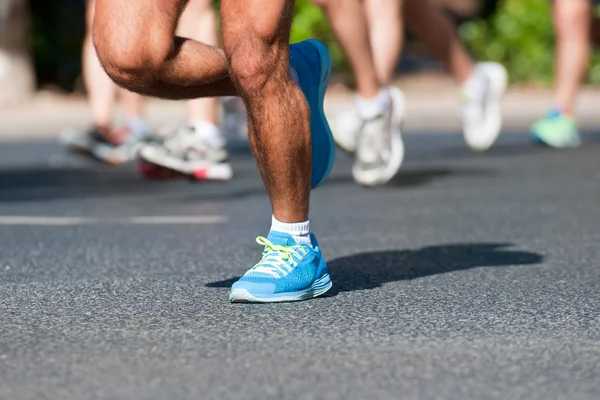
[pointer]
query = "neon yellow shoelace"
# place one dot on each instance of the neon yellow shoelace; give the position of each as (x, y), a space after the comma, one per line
(277, 257)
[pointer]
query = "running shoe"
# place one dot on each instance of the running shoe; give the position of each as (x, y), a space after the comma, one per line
(114, 147)
(481, 111)
(347, 126)
(287, 272)
(556, 129)
(184, 153)
(379, 150)
(311, 63)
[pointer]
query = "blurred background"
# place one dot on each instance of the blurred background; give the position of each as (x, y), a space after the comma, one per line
(469, 276)
(40, 53)
(40, 41)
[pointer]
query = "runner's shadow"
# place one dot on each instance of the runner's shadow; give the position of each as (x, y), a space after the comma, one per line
(371, 270)
(413, 176)
(43, 183)
(516, 146)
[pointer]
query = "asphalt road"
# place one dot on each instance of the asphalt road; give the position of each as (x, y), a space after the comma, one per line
(471, 276)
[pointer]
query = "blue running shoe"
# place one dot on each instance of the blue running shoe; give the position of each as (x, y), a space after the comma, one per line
(556, 129)
(312, 63)
(287, 272)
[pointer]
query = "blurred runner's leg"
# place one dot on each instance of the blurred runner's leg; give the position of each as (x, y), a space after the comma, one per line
(368, 131)
(572, 23)
(482, 84)
(101, 141)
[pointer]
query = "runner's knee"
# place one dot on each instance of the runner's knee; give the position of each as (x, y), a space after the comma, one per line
(132, 58)
(255, 63)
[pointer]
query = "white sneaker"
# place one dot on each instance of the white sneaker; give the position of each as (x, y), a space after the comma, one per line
(379, 150)
(120, 147)
(347, 126)
(481, 111)
(187, 153)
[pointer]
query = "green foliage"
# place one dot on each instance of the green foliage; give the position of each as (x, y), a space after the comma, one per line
(519, 35)
(309, 22)
(57, 30)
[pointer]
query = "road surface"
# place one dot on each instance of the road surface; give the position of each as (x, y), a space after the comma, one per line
(470, 276)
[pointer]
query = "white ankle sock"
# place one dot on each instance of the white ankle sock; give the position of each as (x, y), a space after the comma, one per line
(137, 126)
(299, 231)
(370, 108)
(210, 133)
(476, 85)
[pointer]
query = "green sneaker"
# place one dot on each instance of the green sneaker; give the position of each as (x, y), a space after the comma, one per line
(556, 130)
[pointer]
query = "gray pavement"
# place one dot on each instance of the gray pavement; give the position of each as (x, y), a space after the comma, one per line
(470, 276)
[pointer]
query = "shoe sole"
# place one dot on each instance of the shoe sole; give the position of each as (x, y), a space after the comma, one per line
(499, 82)
(155, 172)
(541, 140)
(381, 176)
(318, 288)
(400, 107)
(98, 152)
(324, 73)
(398, 118)
(371, 178)
(190, 170)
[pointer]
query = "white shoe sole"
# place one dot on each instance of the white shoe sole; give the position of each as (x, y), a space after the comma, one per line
(114, 155)
(320, 287)
(375, 177)
(400, 109)
(195, 168)
(486, 136)
(345, 131)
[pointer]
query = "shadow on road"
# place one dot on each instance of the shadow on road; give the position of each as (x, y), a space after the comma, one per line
(371, 270)
(511, 144)
(419, 177)
(411, 176)
(42, 184)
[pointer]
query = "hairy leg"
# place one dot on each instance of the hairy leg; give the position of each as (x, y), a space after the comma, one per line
(138, 48)
(256, 41)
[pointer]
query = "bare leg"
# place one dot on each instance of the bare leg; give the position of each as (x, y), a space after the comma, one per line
(350, 28)
(386, 34)
(198, 22)
(100, 89)
(256, 40)
(572, 24)
(144, 55)
(436, 31)
(133, 104)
